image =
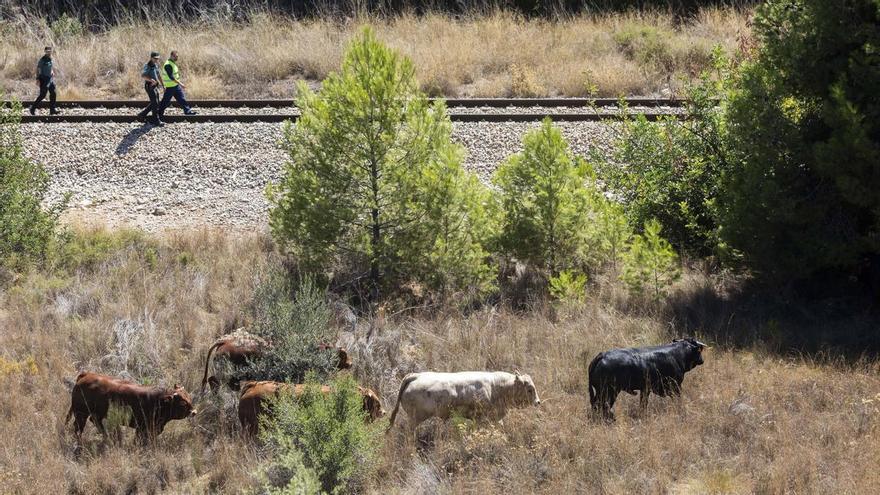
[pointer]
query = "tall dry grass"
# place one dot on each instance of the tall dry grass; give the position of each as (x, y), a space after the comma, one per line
(750, 420)
(492, 55)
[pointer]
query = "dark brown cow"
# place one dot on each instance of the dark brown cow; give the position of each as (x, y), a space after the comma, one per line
(238, 348)
(343, 360)
(254, 394)
(151, 407)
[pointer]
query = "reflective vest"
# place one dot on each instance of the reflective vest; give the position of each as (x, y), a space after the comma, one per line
(170, 83)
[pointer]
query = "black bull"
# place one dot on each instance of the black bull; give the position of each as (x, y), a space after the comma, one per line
(659, 369)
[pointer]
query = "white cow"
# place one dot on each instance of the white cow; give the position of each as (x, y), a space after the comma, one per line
(468, 393)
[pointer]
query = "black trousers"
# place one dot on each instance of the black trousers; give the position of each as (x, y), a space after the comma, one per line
(177, 93)
(153, 94)
(47, 85)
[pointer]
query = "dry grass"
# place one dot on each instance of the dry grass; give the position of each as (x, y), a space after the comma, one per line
(492, 55)
(749, 421)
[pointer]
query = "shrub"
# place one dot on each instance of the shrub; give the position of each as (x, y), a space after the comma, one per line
(325, 433)
(650, 264)
(568, 286)
(549, 199)
(671, 169)
(524, 83)
(27, 228)
(66, 27)
(295, 319)
(368, 159)
(800, 200)
(86, 249)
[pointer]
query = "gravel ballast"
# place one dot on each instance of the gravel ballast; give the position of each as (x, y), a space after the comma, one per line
(211, 174)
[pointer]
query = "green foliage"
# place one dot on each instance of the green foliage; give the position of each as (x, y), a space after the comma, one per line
(371, 166)
(330, 432)
(549, 201)
(295, 319)
(460, 219)
(27, 228)
(671, 169)
(85, 250)
(568, 286)
(287, 474)
(66, 27)
(650, 264)
(801, 198)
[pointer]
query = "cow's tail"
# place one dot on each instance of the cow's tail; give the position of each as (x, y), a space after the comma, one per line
(593, 386)
(403, 385)
(208, 362)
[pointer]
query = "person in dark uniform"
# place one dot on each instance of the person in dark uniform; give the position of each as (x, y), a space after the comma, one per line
(151, 77)
(46, 82)
(173, 86)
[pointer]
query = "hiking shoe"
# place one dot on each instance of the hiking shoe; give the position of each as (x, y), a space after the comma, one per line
(33, 110)
(54, 112)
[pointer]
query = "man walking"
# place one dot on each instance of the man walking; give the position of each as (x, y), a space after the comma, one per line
(173, 86)
(46, 82)
(151, 77)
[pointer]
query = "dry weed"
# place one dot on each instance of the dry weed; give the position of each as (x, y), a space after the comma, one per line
(489, 55)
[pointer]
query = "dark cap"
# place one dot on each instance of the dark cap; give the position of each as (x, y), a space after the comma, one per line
(154, 54)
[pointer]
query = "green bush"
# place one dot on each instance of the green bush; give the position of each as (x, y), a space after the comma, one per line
(370, 161)
(801, 198)
(325, 433)
(27, 227)
(568, 287)
(650, 264)
(550, 205)
(66, 27)
(295, 319)
(85, 250)
(672, 169)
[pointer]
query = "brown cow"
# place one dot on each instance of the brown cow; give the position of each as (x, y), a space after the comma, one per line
(253, 394)
(343, 360)
(151, 407)
(238, 348)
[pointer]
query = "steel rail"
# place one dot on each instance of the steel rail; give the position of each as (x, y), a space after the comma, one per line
(251, 118)
(450, 102)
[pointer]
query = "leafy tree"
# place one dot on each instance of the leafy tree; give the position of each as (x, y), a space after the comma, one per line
(548, 200)
(671, 169)
(650, 264)
(459, 222)
(26, 226)
(371, 165)
(801, 198)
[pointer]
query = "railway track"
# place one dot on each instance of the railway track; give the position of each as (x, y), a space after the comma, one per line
(469, 110)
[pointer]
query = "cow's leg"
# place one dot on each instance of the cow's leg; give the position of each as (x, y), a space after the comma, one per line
(606, 397)
(99, 413)
(79, 423)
